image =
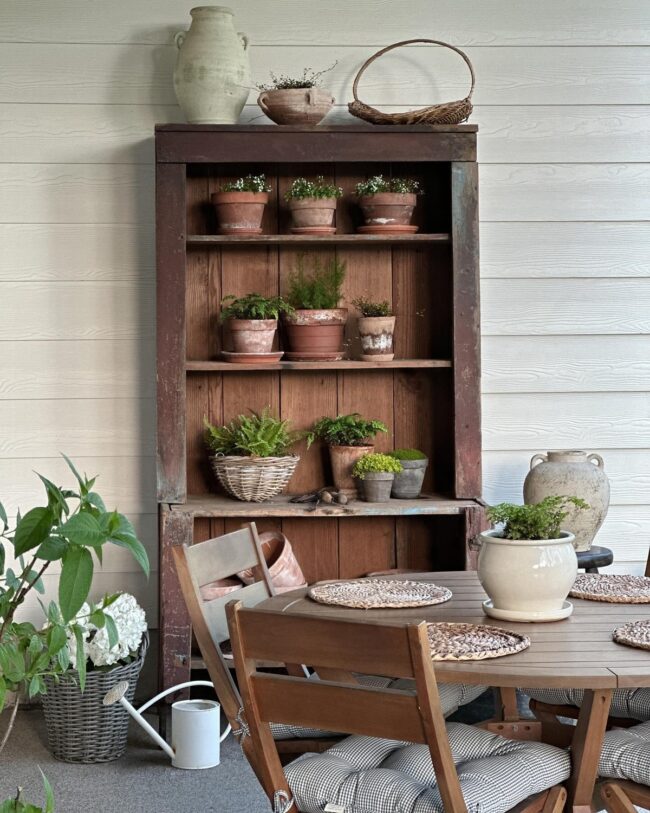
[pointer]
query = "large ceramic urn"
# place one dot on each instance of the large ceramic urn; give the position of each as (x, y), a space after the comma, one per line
(212, 74)
(572, 474)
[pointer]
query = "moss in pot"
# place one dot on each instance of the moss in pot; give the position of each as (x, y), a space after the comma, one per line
(376, 472)
(253, 321)
(528, 565)
(408, 483)
(388, 204)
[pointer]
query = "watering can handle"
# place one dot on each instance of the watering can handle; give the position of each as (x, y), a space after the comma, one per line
(153, 700)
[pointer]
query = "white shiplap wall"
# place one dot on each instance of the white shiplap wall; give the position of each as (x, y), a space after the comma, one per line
(563, 103)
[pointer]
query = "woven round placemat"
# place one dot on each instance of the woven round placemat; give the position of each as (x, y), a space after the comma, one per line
(452, 641)
(375, 594)
(617, 589)
(634, 633)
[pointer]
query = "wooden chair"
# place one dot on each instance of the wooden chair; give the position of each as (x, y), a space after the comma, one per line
(626, 755)
(212, 560)
(406, 716)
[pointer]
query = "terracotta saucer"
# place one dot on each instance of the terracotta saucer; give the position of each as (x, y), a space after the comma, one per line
(240, 231)
(313, 230)
(314, 356)
(387, 229)
(251, 358)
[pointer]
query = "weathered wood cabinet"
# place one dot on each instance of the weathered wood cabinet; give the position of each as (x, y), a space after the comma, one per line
(429, 396)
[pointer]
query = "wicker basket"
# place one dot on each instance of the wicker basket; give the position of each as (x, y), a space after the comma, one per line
(254, 479)
(79, 727)
(444, 113)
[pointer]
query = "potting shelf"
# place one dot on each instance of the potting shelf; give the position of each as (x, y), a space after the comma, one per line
(207, 240)
(315, 366)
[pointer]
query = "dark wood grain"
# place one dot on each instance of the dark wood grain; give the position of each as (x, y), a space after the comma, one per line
(350, 240)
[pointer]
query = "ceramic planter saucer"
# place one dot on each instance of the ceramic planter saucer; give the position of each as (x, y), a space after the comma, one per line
(313, 356)
(251, 358)
(313, 230)
(388, 229)
(235, 231)
(527, 615)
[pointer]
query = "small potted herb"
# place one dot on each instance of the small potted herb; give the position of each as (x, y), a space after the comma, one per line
(348, 438)
(376, 328)
(528, 564)
(312, 205)
(288, 100)
(376, 472)
(315, 326)
(240, 205)
(387, 204)
(253, 320)
(408, 483)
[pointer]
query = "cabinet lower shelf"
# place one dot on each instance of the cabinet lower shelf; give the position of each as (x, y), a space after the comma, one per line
(344, 364)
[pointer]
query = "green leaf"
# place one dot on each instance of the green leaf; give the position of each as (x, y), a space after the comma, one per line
(12, 580)
(49, 794)
(52, 549)
(36, 686)
(83, 529)
(94, 499)
(98, 618)
(12, 664)
(109, 523)
(82, 482)
(56, 639)
(63, 658)
(2, 559)
(75, 580)
(108, 600)
(3, 518)
(53, 613)
(111, 630)
(81, 656)
(35, 646)
(33, 529)
(55, 496)
(3, 693)
(128, 539)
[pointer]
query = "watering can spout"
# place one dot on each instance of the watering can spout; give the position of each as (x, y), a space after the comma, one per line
(117, 695)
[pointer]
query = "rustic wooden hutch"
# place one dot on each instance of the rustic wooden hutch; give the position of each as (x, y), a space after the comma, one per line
(429, 396)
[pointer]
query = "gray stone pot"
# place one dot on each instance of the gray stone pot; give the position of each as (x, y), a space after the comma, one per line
(376, 486)
(408, 483)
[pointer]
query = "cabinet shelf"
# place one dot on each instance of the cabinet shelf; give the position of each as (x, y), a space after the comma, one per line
(208, 240)
(284, 366)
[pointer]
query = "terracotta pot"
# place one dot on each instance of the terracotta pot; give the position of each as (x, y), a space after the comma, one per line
(527, 580)
(316, 333)
(343, 459)
(310, 213)
(408, 482)
(252, 335)
(239, 212)
(220, 588)
(388, 208)
(376, 334)
(296, 105)
(574, 474)
(284, 569)
(376, 486)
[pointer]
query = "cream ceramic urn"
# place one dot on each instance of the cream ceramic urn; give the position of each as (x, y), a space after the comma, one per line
(212, 74)
(571, 473)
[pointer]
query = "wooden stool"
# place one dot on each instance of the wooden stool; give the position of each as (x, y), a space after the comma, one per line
(591, 560)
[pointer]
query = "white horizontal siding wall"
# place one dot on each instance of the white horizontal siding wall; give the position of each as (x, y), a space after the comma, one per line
(563, 104)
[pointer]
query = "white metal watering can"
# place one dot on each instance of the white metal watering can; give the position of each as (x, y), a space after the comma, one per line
(196, 726)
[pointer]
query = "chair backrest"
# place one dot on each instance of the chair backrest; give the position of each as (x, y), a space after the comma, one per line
(647, 565)
(387, 649)
(209, 561)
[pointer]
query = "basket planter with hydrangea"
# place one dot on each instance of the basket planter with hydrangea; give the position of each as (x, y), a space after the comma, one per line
(239, 205)
(387, 204)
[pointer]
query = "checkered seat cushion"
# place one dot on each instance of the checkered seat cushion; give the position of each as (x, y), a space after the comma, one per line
(626, 754)
(452, 697)
(368, 775)
(633, 704)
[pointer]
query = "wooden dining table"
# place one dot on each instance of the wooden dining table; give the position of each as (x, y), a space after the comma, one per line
(577, 652)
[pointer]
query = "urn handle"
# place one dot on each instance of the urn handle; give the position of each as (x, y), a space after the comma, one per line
(179, 38)
(244, 39)
(538, 458)
(261, 100)
(597, 460)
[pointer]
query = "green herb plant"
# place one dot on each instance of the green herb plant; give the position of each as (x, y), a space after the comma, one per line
(18, 805)
(369, 307)
(408, 454)
(253, 306)
(308, 79)
(301, 188)
(251, 183)
(257, 435)
(70, 528)
(542, 520)
(345, 430)
(319, 288)
(376, 462)
(378, 184)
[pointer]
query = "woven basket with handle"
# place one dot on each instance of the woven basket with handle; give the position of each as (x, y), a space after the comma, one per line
(254, 479)
(444, 113)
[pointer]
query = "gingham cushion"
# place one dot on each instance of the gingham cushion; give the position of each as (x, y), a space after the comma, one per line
(367, 775)
(452, 696)
(626, 754)
(630, 703)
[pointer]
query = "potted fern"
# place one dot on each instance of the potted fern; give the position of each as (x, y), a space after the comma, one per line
(387, 204)
(376, 328)
(253, 321)
(299, 100)
(528, 564)
(239, 205)
(312, 205)
(251, 455)
(315, 326)
(348, 438)
(408, 482)
(376, 473)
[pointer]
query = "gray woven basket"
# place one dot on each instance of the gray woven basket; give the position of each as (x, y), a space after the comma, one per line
(79, 727)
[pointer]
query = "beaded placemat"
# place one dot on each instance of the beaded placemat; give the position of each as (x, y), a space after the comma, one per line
(634, 633)
(369, 594)
(451, 641)
(618, 589)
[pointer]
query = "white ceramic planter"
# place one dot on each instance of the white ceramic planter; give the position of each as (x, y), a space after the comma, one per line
(527, 580)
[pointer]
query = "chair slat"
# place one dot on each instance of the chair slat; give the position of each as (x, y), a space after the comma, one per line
(222, 557)
(215, 611)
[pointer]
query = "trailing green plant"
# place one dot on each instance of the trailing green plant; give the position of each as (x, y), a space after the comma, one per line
(542, 520)
(250, 183)
(378, 184)
(301, 188)
(309, 79)
(18, 805)
(257, 435)
(320, 288)
(253, 306)
(73, 525)
(408, 454)
(376, 462)
(345, 430)
(369, 307)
